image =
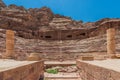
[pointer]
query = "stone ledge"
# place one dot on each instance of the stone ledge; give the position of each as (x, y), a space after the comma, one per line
(99, 70)
(86, 58)
(62, 76)
(21, 70)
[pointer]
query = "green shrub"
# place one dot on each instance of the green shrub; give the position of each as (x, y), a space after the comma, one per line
(52, 71)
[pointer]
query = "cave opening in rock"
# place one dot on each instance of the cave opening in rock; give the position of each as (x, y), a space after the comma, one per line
(83, 34)
(69, 36)
(41, 36)
(48, 37)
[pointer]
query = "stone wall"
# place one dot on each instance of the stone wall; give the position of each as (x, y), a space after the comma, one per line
(93, 72)
(29, 22)
(77, 33)
(27, 72)
(63, 34)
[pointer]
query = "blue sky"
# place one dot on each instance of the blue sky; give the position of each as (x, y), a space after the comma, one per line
(86, 10)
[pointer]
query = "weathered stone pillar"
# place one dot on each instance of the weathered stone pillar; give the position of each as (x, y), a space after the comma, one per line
(111, 42)
(9, 44)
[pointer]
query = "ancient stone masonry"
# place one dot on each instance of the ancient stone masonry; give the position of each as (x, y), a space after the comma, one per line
(9, 44)
(99, 70)
(111, 42)
(86, 58)
(29, 23)
(21, 70)
(63, 34)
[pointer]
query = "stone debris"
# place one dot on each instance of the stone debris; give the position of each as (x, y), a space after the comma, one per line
(67, 69)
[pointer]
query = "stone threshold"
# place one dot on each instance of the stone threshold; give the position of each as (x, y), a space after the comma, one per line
(62, 76)
(59, 63)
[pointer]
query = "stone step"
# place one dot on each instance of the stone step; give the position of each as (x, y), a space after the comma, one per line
(62, 76)
(65, 79)
(58, 63)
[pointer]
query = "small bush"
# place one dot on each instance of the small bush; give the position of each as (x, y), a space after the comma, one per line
(52, 71)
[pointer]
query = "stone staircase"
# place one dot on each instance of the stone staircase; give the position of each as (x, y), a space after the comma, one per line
(62, 76)
(64, 79)
(66, 74)
(66, 49)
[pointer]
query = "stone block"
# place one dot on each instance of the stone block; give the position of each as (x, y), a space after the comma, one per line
(90, 71)
(34, 57)
(31, 71)
(86, 58)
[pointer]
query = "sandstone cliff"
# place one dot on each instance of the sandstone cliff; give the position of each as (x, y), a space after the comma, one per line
(35, 27)
(2, 5)
(31, 23)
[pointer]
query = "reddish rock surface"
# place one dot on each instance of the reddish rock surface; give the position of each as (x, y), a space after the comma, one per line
(36, 24)
(42, 31)
(2, 5)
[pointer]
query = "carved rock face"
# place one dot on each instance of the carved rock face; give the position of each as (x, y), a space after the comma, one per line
(31, 23)
(2, 5)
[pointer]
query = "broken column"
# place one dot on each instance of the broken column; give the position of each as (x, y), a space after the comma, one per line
(111, 42)
(9, 44)
(34, 57)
